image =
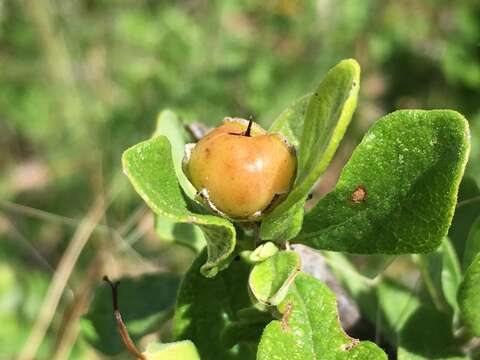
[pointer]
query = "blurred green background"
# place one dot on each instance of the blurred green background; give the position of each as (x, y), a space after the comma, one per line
(82, 80)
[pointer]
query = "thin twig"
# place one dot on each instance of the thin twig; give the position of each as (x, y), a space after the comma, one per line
(132, 349)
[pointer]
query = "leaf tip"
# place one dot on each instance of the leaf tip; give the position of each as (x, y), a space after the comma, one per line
(353, 65)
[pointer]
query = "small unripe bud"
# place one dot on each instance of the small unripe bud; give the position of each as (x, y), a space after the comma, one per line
(239, 168)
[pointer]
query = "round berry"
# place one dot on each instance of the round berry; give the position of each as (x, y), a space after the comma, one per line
(239, 168)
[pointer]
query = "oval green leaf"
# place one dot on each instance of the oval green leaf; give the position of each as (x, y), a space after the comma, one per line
(150, 168)
(397, 194)
(169, 125)
(309, 328)
(330, 109)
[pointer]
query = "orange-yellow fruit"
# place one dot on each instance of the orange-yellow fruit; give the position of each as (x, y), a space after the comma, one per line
(239, 174)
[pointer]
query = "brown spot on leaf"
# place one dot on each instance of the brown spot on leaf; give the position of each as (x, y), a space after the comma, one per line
(359, 195)
(286, 316)
(351, 345)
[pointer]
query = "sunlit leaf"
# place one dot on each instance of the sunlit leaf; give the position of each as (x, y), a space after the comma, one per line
(309, 328)
(397, 194)
(270, 279)
(329, 111)
(150, 169)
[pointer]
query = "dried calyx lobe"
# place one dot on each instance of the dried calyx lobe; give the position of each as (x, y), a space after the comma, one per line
(240, 170)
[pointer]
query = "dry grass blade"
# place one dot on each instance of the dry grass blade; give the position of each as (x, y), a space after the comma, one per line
(60, 279)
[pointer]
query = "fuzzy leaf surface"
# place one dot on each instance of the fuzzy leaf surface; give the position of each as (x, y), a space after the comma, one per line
(329, 111)
(290, 122)
(270, 279)
(150, 168)
(309, 328)
(397, 193)
(169, 125)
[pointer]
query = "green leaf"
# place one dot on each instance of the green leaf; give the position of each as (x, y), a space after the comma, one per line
(469, 297)
(467, 211)
(150, 169)
(418, 341)
(328, 114)
(169, 125)
(184, 350)
(207, 306)
(270, 279)
(145, 303)
(472, 246)
(309, 328)
(451, 274)
(397, 194)
(182, 233)
(290, 122)
(285, 225)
